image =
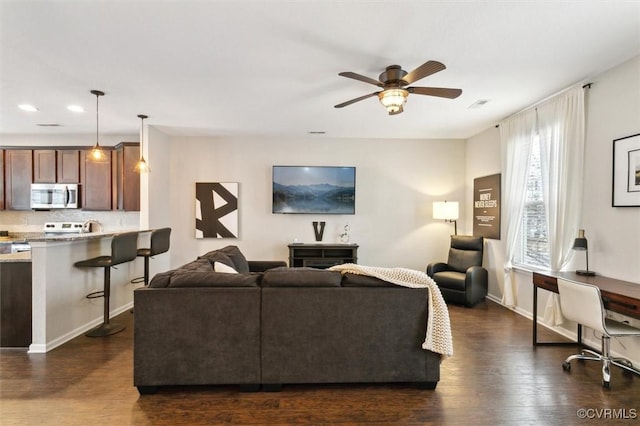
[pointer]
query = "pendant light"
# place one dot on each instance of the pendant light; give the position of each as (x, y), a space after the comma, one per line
(97, 154)
(141, 165)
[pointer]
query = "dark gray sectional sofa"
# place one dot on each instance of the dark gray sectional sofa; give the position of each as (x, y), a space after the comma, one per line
(271, 325)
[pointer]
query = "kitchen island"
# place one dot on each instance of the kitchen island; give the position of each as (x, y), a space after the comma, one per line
(60, 309)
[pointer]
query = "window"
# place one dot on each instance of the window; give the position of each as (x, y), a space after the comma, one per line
(533, 239)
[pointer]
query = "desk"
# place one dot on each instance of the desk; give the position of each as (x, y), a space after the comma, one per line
(618, 296)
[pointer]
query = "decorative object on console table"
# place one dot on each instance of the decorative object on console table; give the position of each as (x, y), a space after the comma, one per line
(322, 255)
(626, 172)
(319, 232)
(447, 210)
(580, 244)
(217, 210)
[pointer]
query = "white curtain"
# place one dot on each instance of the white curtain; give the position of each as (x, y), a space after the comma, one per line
(561, 126)
(559, 123)
(516, 135)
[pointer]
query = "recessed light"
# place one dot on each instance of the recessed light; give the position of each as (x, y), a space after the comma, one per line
(75, 108)
(27, 107)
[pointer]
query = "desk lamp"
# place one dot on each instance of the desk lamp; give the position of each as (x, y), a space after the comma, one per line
(580, 244)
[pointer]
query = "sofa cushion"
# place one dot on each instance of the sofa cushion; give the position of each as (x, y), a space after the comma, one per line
(161, 279)
(301, 277)
(202, 265)
(217, 256)
(355, 280)
(240, 263)
(213, 279)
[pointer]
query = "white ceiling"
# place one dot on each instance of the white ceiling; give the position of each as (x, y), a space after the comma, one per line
(271, 67)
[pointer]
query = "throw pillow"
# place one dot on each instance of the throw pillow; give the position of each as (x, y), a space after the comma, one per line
(199, 264)
(221, 267)
(217, 256)
(239, 261)
(161, 279)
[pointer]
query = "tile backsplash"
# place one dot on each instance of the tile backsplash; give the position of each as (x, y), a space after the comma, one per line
(33, 221)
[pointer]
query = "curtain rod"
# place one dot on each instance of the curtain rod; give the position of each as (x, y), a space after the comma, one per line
(584, 86)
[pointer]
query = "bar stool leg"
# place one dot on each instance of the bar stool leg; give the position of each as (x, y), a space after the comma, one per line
(146, 270)
(106, 328)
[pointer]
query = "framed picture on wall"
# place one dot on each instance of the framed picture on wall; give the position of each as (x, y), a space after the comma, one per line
(626, 172)
(216, 210)
(486, 206)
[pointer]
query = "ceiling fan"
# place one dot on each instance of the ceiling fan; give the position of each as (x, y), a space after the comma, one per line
(393, 81)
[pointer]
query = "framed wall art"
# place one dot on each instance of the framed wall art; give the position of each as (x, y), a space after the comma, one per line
(486, 206)
(217, 210)
(626, 172)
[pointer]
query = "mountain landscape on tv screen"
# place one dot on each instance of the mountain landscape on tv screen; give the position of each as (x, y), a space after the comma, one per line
(315, 198)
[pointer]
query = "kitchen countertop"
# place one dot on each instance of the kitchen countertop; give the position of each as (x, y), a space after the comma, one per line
(24, 256)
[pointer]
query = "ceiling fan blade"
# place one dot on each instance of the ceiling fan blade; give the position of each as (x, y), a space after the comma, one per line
(441, 92)
(353, 101)
(424, 70)
(362, 78)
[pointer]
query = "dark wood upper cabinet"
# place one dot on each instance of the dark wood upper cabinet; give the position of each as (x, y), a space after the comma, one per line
(68, 165)
(1, 179)
(18, 177)
(56, 165)
(44, 165)
(95, 180)
(126, 181)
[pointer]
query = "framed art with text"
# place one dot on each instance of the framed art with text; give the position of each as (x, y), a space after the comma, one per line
(626, 172)
(486, 207)
(217, 210)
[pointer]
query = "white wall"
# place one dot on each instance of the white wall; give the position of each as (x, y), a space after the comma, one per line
(396, 183)
(613, 111)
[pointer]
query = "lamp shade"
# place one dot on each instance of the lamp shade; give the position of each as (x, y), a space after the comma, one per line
(447, 210)
(580, 243)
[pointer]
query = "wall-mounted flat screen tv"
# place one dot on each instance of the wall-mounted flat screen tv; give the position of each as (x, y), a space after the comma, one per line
(314, 189)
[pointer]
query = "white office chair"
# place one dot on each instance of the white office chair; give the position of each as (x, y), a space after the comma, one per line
(582, 303)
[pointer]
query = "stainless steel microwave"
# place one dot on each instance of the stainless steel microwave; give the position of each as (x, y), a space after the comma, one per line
(54, 196)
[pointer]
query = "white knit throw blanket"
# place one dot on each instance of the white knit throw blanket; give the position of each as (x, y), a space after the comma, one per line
(438, 338)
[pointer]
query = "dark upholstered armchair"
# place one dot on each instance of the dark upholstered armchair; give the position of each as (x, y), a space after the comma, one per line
(462, 279)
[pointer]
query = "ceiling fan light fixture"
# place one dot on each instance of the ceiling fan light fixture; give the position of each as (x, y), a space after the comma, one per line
(393, 100)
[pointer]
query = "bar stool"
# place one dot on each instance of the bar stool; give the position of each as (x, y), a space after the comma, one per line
(123, 249)
(160, 241)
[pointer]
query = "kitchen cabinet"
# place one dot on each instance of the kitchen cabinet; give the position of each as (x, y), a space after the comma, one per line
(68, 165)
(56, 165)
(1, 179)
(44, 165)
(18, 177)
(96, 182)
(15, 304)
(126, 181)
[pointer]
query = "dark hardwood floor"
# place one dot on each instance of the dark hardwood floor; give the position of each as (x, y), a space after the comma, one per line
(494, 377)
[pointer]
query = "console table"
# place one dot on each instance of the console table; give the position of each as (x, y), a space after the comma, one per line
(618, 296)
(322, 255)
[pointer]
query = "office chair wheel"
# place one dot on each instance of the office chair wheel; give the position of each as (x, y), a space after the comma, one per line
(606, 385)
(566, 366)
